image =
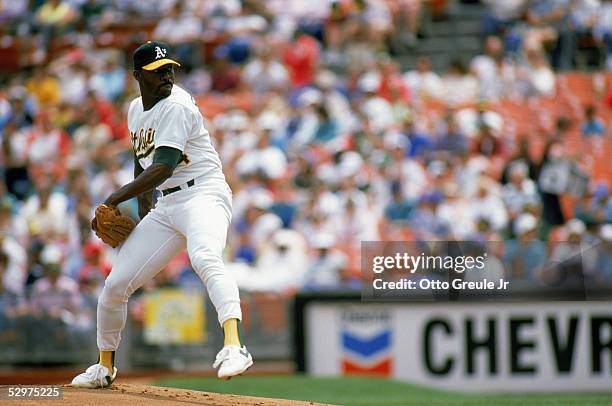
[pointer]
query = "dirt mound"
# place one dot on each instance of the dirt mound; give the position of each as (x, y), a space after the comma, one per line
(131, 394)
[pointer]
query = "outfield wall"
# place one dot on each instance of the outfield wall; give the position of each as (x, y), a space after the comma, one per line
(533, 346)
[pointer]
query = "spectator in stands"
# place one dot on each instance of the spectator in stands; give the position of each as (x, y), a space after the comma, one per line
(234, 135)
(520, 193)
(54, 18)
(46, 212)
(603, 264)
(74, 79)
(224, 76)
(15, 146)
(339, 28)
(5, 110)
(301, 58)
(487, 143)
(501, 15)
(112, 175)
(420, 141)
(15, 270)
(266, 159)
(181, 29)
(410, 172)
(423, 82)
(525, 255)
(584, 15)
(495, 73)
(280, 266)
(536, 78)
(327, 129)
(493, 269)
(593, 130)
(221, 9)
(423, 220)
(451, 212)
(13, 11)
(79, 204)
(552, 175)
(361, 52)
(257, 223)
(487, 204)
(550, 23)
(407, 16)
(265, 72)
(569, 263)
(460, 87)
(327, 266)
(55, 294)
(591, 208)
(109, 82)
(11, 225)
(398, 209)
(94, 270)
(22, 108)
(354, 226)
(11, 305)
(90, 140)
(285, 204)
(49, 145)
(377, 110)
(522, 156)
(317, 214)
(608, 207)
(392, 86)
(603, 31)
(305, 177)
(56, 304)
(451, 141)
(335, 100)
(44, 87)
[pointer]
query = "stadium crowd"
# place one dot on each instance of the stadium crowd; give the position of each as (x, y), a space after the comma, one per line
(326, 139)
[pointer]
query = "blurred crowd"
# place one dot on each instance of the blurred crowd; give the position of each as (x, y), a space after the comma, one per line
(558, 27)
(326, 140)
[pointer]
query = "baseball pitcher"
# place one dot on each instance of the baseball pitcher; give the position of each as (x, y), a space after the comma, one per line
(173, 153)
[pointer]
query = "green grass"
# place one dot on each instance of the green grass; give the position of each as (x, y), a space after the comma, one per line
(359, 391)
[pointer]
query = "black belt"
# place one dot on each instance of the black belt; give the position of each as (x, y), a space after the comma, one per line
(166, 192)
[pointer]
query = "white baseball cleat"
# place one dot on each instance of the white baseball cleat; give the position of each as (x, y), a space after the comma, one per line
(96, 376)
(232, 360)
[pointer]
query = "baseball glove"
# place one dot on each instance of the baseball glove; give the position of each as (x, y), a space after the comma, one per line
(111, 226)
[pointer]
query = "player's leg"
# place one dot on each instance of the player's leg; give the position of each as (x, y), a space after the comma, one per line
(204, 221)
(148, 248)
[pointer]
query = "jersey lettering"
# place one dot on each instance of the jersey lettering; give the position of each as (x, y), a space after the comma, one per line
(142, 142)
(176, 122)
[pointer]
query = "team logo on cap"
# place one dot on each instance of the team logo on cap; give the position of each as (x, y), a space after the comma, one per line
(160, 52)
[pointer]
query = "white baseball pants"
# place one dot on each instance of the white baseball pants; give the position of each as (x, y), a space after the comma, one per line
(193, 218)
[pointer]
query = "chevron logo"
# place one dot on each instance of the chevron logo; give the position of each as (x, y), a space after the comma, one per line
(366, 347)
(366, 356)
(382, 368)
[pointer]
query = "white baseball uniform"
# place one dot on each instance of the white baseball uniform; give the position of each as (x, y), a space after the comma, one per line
(195, 216)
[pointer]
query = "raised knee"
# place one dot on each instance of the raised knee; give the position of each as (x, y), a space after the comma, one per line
(206, 259)
(115, 291)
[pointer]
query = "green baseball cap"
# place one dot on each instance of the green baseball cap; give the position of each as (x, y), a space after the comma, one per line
(153, 54)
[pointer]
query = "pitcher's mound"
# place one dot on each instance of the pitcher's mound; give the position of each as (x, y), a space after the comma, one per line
(130, 394)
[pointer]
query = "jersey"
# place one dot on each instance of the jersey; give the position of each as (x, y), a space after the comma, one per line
(176, 122)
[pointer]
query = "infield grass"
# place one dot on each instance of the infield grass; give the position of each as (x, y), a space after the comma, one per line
(366, 391)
